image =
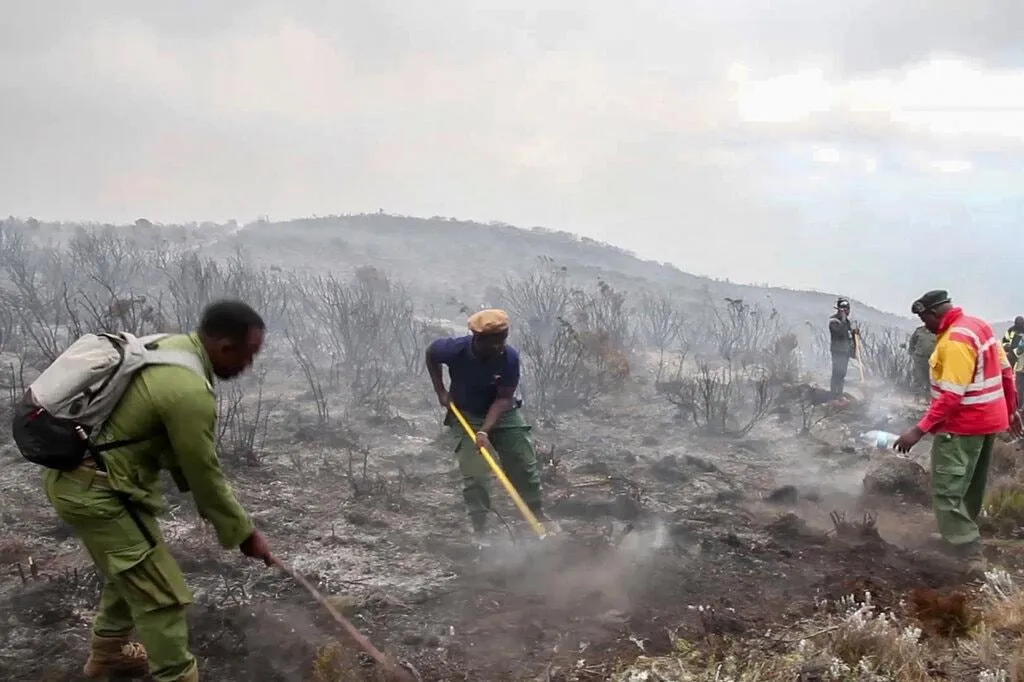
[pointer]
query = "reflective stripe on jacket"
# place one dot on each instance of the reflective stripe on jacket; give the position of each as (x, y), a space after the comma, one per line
(973, 387)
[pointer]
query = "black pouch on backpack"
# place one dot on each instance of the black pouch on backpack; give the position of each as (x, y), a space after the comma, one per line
(44, 439)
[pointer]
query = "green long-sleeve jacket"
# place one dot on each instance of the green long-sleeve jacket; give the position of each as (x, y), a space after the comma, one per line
(178, 408)
(922, 343)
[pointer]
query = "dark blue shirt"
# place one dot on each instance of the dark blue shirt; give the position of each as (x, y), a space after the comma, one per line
(475, 382)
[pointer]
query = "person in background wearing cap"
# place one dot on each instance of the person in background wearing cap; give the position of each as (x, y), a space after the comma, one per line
(484, 374)
(920, 348)
(974, 398)
(841, 331)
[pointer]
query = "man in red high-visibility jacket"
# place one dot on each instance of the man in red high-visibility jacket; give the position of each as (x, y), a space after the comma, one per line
(974, 398)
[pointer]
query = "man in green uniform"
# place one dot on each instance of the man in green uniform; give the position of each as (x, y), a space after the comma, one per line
(484, 372)
(920, 347)
(173, 412)
(1013, 345)
(1013, 340)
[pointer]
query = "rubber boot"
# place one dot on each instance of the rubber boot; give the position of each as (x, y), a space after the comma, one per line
(480, 538)
(116, 656)
(550, 527)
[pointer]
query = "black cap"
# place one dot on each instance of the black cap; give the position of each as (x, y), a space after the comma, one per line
(929, 301)
(842, 302)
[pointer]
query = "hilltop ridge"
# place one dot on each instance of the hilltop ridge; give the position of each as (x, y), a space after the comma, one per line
(462, 256)
(447, 259)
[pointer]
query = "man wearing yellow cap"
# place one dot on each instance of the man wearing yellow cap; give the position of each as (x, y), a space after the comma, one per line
(484, 374)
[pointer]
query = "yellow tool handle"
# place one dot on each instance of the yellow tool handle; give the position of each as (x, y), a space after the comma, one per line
(860, 360)
(523, 509)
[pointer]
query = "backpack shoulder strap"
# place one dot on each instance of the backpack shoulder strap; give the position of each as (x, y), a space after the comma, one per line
(180, 358)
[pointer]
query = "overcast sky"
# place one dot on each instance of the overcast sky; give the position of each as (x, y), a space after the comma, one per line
(870, 148)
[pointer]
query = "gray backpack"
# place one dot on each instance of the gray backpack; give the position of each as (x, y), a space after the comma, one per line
(77, 393)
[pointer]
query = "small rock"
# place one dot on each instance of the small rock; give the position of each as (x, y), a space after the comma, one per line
(346, 604)
(729, 496)
(787, 494)
(357, 518)
(789, 525)
(700, 464)
(626, 508)
(61, 531)
(670, 470)
(594, 468)
(650, 441)
(897, 476)
(413, 639)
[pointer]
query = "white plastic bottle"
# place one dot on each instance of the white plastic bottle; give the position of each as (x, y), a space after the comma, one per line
(883, 440)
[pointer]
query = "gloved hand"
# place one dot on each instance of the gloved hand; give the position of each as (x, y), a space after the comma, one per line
(256, 547)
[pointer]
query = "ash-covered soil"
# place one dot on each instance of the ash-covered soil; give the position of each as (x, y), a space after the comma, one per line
(664, 533)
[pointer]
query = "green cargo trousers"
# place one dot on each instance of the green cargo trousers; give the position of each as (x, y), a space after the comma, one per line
(517, 456)
(959, 474)
(145, 589)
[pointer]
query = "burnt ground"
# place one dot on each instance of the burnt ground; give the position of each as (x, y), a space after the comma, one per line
(664, 534)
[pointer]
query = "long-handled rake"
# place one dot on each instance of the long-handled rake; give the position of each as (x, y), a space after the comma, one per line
(401, 673)
(507, 484)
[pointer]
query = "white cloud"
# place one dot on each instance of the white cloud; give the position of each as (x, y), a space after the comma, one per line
(827, 155)
(952, 166)
(784, 99)
(942, 96)
(625, 122)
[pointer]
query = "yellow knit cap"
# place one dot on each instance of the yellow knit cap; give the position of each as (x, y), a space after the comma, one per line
(491, 321)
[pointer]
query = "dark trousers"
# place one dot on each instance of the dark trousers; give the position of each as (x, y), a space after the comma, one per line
(840, 362)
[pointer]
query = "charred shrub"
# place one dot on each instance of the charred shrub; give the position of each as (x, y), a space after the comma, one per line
(723, 400)
(883, 354)
(575, 340)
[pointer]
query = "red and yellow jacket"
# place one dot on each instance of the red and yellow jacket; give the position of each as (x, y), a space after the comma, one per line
(973, 387)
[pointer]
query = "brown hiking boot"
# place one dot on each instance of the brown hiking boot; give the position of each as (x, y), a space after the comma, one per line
(116, 656)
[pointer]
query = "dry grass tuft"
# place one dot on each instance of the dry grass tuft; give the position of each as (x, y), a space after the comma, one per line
(868, 642)
(329, 664)
(1004, 611)
(851, 641)
(1004, 507)
(1005, 458)
(335, 662)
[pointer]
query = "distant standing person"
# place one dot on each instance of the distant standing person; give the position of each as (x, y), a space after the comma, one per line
(1013, 340)
(841, 332)
(920, 348)
(974, 399)
(484, 372)
(166, 419)
(1013, 345)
